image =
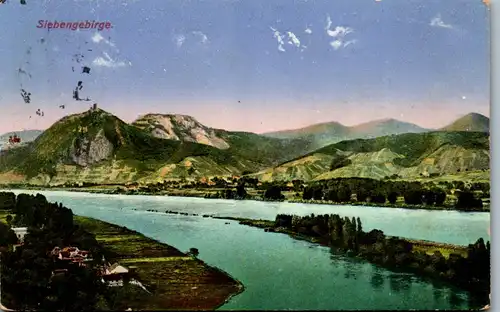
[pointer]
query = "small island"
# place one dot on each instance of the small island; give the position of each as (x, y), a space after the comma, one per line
(466, 267)
(53, 260)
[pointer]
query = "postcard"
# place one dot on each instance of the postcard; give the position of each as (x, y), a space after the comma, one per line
(245, 155)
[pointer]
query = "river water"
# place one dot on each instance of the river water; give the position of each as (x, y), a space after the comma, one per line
(282, 273)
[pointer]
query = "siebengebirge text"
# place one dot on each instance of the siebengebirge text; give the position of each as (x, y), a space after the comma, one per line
(74, 25)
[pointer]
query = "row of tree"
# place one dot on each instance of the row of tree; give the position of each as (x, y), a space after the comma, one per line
(374, 191)
(471, 273)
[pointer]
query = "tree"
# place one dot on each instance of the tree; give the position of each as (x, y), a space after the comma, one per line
(274, 193)
(344, 194)
(240, 191)
(332, 195)
(392, 197)
(7, 236)
(360, 225)
(317, 193)
(440, 197)
(466, 201)
(9, 220)
(307, 194)
(413, 197)
(194, 252)
(378, 198)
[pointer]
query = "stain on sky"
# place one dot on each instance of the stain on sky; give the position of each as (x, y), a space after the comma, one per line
(78, 57)
(23, 72)
(26, 96)
(76, 92)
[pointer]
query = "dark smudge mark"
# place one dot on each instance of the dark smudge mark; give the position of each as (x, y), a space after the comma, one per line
(26, 96)
(86, 70)
(22, 71)
(78, 57)
(76, 92)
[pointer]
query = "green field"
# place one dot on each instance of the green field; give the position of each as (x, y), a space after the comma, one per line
(174, 279)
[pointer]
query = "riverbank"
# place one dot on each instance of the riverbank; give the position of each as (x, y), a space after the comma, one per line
(427, 247)
(466, 267)
(204, 193)
(174, 280)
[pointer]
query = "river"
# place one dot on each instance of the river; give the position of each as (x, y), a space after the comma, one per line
(279, 272)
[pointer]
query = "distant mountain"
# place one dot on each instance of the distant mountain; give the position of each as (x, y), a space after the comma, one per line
(96, 146)
(25, 135)
(385, 127)
(470, 122)
(323, 129)
(323, 134)
(262, 149)
(409, 156)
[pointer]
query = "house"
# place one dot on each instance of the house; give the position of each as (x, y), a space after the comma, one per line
(20, 233)
(115, 275)
(117, 269)
(71, 254)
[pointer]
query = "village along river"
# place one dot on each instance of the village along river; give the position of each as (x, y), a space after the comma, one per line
(279, 272)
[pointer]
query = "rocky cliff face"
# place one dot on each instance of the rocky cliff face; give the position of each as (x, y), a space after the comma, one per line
(87, 151)
(180, 127)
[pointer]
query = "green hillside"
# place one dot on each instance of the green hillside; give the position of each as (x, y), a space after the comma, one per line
(410, 156)
(264, 150)
(97, 138)
(413, 146)
(470, 122)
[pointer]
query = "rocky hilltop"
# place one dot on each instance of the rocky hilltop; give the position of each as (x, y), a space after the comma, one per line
(180, 127)
(96, 146)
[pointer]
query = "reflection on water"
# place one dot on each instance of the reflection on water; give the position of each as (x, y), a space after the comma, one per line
(400, 282)
(438, 292)
(377, 280)
(442, 226)
(455, 300)
(278, 272)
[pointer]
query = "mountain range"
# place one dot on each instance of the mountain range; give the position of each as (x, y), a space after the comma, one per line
(323, 134)
(96, 146)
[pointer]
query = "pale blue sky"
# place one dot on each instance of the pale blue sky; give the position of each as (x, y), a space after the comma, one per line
(350, 61)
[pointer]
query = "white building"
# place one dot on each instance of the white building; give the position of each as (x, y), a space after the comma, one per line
(20, 233)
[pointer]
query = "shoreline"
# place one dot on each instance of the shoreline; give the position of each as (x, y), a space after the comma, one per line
(95, 190)
(269, 226)
(430, 248)
(181, 282)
